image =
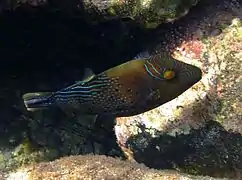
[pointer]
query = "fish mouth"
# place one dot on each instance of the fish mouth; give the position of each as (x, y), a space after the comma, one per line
(196, 76)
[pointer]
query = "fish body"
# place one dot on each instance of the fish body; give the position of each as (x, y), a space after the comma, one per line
(129, 89)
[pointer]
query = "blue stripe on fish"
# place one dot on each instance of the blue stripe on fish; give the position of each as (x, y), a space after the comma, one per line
(91, 91)
(153, 67)
(73, 95)
(81, 85)
(150, 73)
(151, 62)
(82, 91)
(90, 87)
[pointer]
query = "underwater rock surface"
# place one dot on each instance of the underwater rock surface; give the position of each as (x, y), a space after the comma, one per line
(200, 131)
(149, 13)
(95, 167)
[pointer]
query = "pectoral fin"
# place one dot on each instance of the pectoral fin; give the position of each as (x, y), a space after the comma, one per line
(84, 119)
(87, 120)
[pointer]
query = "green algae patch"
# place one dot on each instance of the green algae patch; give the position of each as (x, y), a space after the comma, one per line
(148, 13)
(24, 154)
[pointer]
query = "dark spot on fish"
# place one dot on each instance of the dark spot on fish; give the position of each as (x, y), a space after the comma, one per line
(90, 110)
(129, 90)
(105, 111)
(73, 114)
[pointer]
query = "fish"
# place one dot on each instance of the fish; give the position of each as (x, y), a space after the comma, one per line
(128, 89)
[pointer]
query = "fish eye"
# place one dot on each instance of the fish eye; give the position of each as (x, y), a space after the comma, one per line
(169, 74)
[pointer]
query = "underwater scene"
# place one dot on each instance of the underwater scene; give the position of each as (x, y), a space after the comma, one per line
(138, 89)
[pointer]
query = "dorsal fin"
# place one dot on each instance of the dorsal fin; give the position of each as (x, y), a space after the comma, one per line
(142, 55)
(88, 75)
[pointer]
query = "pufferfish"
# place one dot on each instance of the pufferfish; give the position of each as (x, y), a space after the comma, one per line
(131, 88)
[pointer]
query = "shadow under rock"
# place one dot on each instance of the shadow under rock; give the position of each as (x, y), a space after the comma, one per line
(207, 150)
(210, 150)
(54, 130)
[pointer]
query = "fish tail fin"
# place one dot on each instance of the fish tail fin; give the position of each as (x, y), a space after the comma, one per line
(38, 100)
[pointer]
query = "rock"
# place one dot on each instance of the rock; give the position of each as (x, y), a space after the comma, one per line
(95, 167)
(200, 131)
(148, 13)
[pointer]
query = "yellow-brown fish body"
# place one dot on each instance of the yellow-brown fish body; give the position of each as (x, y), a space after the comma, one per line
(125, 90)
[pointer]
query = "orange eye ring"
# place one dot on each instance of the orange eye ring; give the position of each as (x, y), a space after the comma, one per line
(169, 74)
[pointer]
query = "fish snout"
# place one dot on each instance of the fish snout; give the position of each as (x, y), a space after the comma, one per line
(194, 75)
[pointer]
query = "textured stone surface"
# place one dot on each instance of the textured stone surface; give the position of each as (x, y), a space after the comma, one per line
(95, 167)
(149, 13)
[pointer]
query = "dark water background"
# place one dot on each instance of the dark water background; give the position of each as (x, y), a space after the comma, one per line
(45, 46)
